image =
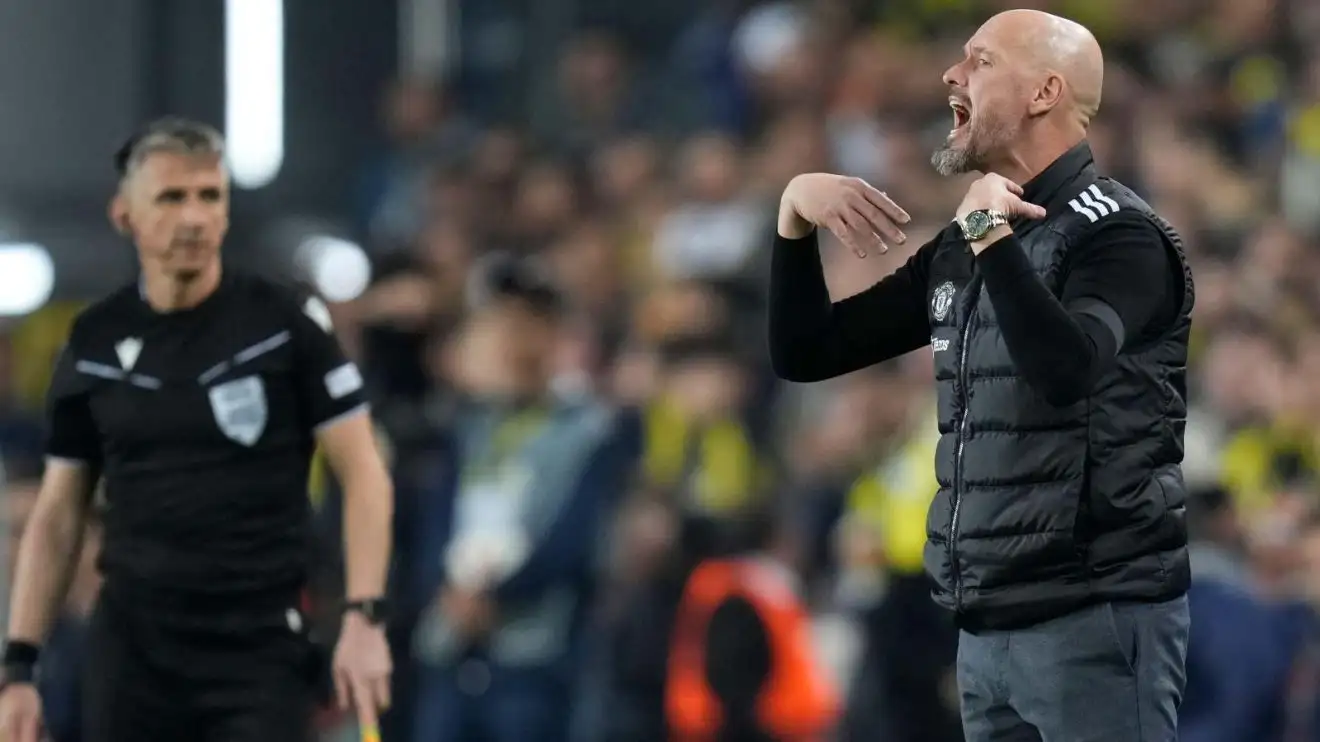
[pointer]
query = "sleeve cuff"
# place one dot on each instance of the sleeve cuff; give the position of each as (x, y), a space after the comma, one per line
(809, 240)
(330, 422)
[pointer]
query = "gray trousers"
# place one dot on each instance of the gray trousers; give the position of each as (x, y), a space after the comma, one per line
(1114, 672)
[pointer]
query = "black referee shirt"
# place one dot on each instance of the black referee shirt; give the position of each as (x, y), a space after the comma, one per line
(202, 423)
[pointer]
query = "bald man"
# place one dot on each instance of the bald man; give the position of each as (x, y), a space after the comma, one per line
(1056, 305)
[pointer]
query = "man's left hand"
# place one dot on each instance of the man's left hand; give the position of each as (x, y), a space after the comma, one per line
(997, 193)
(362, 669)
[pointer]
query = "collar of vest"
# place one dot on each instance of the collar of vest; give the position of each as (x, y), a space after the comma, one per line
(1046, 185)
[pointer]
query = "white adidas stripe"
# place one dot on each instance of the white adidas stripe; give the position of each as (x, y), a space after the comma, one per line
(1083, 210)
(1111, 203)
(1094, 204)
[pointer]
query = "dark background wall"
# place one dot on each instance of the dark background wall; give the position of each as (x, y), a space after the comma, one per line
(63, 65)
(79, 75)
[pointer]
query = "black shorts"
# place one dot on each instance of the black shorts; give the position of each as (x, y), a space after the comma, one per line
(171, 680)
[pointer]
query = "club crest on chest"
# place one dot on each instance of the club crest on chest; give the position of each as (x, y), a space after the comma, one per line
(942, 301)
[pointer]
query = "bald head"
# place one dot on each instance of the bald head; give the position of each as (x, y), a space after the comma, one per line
(1048, 44)
(1023, 94)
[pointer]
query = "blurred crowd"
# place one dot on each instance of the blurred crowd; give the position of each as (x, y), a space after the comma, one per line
(565, 345)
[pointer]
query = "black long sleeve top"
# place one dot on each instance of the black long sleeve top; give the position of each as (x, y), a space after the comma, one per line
(1120, 288)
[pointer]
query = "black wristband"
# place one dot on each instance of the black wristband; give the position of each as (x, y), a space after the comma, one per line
(18, 673)
(20, 653)
(19, 663)
(375, 610)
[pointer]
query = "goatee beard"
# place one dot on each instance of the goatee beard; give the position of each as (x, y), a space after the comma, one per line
(949, 161)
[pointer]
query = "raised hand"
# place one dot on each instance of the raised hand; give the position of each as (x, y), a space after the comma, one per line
(863, 218)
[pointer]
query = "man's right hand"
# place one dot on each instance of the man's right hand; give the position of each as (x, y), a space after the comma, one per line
(20, 713)
(862, 217)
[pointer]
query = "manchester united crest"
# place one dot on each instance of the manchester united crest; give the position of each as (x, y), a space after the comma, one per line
(942, 301)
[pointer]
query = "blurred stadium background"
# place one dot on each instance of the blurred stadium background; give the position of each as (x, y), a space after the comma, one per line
(637, 150)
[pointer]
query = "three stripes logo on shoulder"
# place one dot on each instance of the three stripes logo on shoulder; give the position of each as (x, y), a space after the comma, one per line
(1093, 204)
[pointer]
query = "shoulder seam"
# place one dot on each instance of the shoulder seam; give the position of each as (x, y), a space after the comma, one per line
(1127, 218)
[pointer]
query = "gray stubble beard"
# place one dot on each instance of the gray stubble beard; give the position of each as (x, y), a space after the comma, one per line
(983, 136)
(949, 160)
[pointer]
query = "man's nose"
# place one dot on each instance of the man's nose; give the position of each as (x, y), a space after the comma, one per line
(194, 213)
(953, 76)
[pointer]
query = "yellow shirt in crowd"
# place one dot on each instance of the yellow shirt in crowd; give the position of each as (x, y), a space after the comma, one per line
(893, 499)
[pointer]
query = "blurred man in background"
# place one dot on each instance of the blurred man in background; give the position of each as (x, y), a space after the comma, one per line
(1239, 648)
(905, 679)
(702, 470)
(505, 555)
(742, 665)
(1302, 696)
(699, 453)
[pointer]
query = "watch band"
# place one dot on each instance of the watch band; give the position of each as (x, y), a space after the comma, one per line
(374, 610)
(17, 673)
(19, 663)
(18, 652)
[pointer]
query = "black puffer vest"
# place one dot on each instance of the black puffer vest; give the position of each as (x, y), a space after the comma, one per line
(1042, 509)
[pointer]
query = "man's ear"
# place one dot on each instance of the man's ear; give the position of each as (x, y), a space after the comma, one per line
(117, 211)
(1049, 95)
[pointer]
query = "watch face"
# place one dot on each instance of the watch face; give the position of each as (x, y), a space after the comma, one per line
(977, 223)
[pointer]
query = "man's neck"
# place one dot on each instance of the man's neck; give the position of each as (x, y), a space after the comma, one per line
(1031, 159)
(166, 293)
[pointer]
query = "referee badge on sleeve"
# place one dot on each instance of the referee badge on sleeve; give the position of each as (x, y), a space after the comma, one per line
(239, 407)
(343, 381)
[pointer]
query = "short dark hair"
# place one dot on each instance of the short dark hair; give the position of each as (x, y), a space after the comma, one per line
(169, 134)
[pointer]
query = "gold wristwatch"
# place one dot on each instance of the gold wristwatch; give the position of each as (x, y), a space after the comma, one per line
(978, 224)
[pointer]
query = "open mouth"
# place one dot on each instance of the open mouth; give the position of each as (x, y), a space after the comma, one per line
(962, 114)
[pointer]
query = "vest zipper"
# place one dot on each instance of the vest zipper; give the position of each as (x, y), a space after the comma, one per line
(973, 293)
